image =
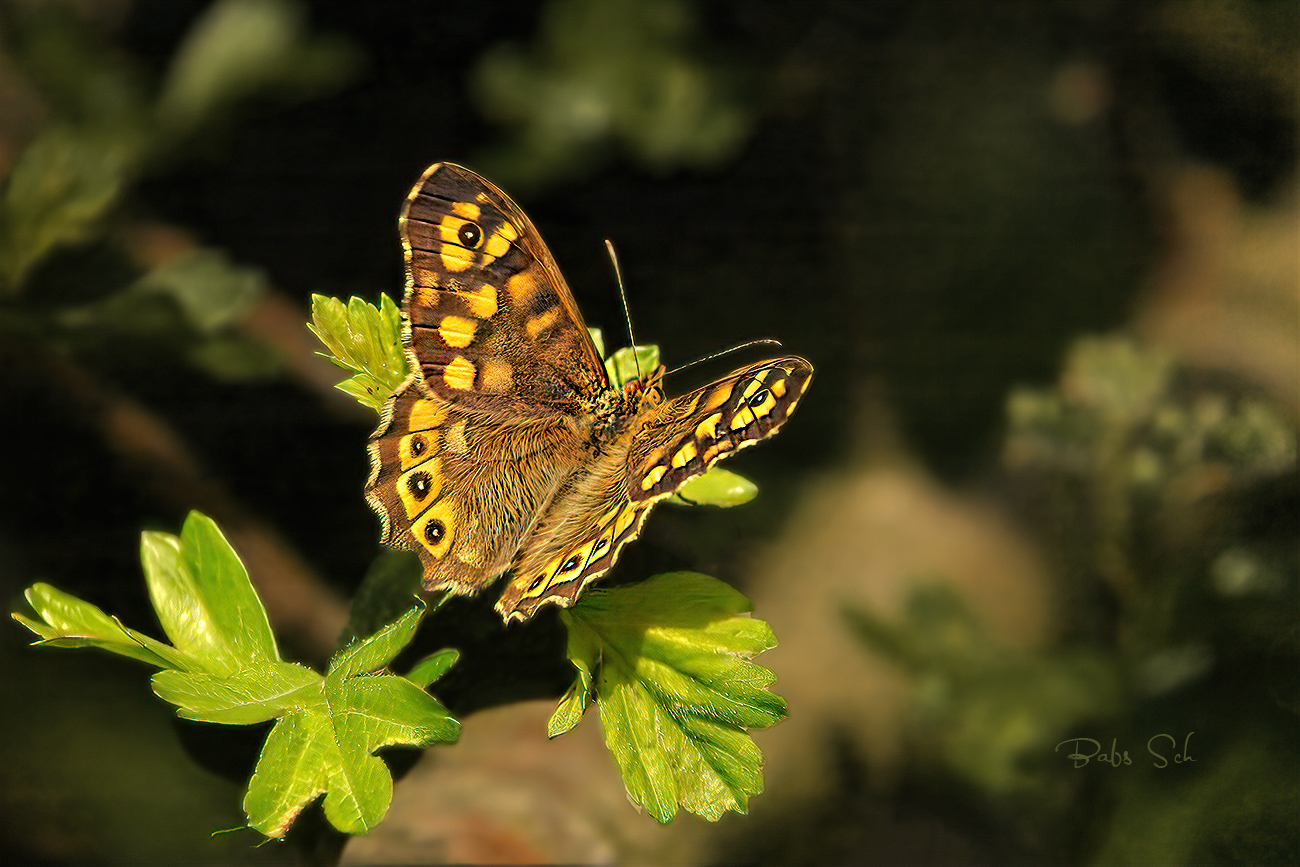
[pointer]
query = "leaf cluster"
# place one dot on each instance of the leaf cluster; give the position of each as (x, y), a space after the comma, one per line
(105, 126)
(223, 666)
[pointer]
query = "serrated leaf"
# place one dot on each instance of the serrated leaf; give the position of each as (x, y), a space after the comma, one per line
(373, 653)
(366, 340)
(327, 748)
(675, 689)
(225, 668)
(716, 487)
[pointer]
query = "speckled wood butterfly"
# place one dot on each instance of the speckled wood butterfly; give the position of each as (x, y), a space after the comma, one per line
(508, 449)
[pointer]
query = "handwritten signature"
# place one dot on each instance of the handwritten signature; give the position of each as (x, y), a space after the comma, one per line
(1087, 750)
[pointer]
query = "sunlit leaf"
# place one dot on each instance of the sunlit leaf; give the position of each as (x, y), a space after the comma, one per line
(366, 340)
(717, 487)
(224, 668)
(432, 667)
(675, 689)
(627, 363)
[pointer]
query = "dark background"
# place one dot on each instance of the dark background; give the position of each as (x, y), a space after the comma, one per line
(929, 200)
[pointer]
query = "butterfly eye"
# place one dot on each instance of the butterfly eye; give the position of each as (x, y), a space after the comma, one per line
(572, 563)
(537, 582)
(434, 531)
(418, 445)
(470, 235)
(757, 398)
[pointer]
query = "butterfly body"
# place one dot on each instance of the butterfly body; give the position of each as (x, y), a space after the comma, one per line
(508, 449)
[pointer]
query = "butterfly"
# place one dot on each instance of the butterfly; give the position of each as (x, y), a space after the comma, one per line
(507, 449)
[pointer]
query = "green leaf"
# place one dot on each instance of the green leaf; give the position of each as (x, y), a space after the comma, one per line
(71, 622)
(225, 668)
(243, 698)
(393, 578)
(716, 487)
(59, 191)
(628, 363)
(240, 48)
(366, 340)
(598, 338)
(373, 653)
(211, 291)
(432, 667)
(203, 597)
(676, 690)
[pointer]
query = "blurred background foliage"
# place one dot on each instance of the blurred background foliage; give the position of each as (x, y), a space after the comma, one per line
(1044, 257)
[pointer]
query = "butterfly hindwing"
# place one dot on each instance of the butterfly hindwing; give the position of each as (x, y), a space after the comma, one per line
(463, 488)
(490, 320)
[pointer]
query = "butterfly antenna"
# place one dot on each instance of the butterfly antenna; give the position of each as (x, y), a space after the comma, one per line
(627, 312)
(766, 341)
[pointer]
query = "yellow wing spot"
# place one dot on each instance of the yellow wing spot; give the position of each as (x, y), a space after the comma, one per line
(542, 581)
(684, 455)
(449, 233)
(459, 374)
(482, 301)
(456, 438)
(538, 324)
(750, 387)
(427, 414)
(497, 377)
(500, 241)
(456, 258)
(743, 418)
(468, 210)
(716, 398)
(420, 487)
(457, 331)
(778, 388)
(708, 429)
(626, 519)
(521, 287)
(652, 478)
(435, 529)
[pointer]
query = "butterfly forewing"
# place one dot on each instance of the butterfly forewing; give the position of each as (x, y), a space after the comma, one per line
(491, 323)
